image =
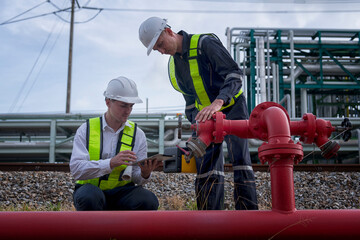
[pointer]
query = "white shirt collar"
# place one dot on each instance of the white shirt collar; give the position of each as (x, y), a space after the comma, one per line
(106, 126)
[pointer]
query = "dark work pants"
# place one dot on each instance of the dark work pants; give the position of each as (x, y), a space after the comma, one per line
(209, 184)
(238, 150)
(244, 179)
(88, 197)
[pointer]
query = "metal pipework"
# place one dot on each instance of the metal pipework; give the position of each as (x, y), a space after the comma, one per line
(207, 225)
(316, 131)
(271, 123)
(268, 121)
(310, 129)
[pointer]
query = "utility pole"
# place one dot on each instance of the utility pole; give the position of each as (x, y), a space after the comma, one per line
(68, 92)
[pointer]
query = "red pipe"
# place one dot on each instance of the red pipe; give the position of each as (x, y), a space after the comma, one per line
(282, 185)
(311, 224)
(277, 125)
(268, 122)
(280, 152)
(271, 123)
(312, 130)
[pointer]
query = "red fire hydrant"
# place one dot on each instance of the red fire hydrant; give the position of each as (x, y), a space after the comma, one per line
(271, 123)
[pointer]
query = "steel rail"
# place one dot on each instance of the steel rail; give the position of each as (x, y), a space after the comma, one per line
(64, 167)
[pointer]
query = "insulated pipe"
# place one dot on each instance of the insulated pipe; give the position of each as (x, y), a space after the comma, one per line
(288, 100)
(358, 135)
(274, 74)
(228, 34)
(292, 74)
(328, 69)
(278, 83)
(268, 65)
(303, 96)
(175, 140)
(298, 71)
(207, 225)
(262, 70)
(257, 72)
(245, 78)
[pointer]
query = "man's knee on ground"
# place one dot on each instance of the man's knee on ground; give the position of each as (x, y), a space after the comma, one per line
(148, 201)
(89, 198)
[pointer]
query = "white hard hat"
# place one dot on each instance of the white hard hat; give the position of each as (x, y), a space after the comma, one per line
(150, 31)
(122, 89)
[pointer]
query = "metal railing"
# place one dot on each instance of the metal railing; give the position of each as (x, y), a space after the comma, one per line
(49, 137)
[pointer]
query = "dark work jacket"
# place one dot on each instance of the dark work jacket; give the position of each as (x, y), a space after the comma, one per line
(220, 73)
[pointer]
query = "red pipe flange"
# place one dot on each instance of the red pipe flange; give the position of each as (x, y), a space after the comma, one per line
(219, 132)
(256, 121)
(310, 130)
(272, 152)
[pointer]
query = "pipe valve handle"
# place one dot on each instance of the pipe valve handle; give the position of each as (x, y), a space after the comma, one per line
(348, 126)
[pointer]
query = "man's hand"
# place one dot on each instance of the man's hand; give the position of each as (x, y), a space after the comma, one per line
(126, 157)
(148, 166)
(207, 112)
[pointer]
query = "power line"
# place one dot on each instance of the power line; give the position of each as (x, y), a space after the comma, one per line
(59, 10)
(41, 68)
(8, 21)
(283, 1)
(99, 9)
(82, 21)
(37, 16)
(223, 11)
(32, 69)
(54, 5)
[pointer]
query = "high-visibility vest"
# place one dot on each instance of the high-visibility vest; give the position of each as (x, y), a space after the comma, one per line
(94, 144)
(202, 99)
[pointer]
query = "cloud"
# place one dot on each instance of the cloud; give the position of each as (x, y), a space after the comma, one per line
(108, 47)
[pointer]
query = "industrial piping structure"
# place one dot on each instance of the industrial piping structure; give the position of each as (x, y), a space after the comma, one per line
(269, 122)
(305, 70)
(48, 137)
(317, 68)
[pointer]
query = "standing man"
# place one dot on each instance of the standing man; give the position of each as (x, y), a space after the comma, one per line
(210, 81)
(104, 149)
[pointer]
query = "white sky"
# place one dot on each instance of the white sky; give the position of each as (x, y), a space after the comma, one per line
(108, 46)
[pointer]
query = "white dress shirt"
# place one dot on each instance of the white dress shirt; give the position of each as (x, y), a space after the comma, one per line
(83, 169)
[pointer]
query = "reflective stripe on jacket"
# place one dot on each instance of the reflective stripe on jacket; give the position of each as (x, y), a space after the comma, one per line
(202, 99)
(94, 144)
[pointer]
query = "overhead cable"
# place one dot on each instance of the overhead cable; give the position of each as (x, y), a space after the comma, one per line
(41, 15)
(30, 73)
(88, 20)
(54, 5)
(222, 11)
(9, 21)
(42, 67)
(282, 1)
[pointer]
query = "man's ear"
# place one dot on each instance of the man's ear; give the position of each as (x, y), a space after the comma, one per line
(107, 101)
(169, 31)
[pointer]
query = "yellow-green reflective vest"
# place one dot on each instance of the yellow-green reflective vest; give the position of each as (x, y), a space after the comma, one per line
(202, 99)
(94, 144)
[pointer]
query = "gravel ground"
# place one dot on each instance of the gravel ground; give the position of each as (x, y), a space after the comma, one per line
(53, 190)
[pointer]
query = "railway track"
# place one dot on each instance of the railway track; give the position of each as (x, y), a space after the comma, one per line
(64, 167)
